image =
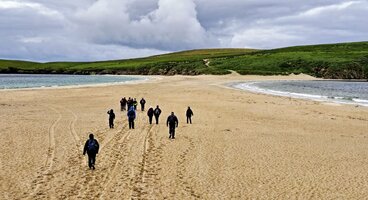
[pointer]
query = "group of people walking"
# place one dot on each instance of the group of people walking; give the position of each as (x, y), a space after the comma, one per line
(153, 112)
(91, 146)
(130, 105)
(124, 103)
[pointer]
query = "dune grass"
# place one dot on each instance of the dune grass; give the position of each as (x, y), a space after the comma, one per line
(344, 60)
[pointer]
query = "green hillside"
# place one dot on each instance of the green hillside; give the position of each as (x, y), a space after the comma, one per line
(344, 60)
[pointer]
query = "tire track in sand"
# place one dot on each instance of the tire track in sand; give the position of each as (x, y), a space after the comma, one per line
(74, 176)
(120, 186)
(95, 183)
(77, 178)
(44, 175)
(105, 142)
(138, 184)
(73, 157)
(146, 183)
(183, 178)
(72, 128)
(120, 153)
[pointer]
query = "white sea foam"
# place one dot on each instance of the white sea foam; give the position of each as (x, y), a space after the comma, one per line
(361, 101)
(253, 87)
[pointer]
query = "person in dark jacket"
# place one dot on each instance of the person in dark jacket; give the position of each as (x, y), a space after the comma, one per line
(111, 118)
(129, 103)
(91, 147)
(172, 122)
(123, 103)
(150, 114)
(142, 102)
(135, 103)
(131, 117)
(157, 113)
(189, 115)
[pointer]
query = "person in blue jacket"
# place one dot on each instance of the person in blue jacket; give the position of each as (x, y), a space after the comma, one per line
(131, 117)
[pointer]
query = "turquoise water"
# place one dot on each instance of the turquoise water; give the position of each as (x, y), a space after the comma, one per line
(17, 81)
(349, 92)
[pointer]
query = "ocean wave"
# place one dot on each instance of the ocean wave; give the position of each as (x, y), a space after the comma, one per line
(253, 87)
(361, 101)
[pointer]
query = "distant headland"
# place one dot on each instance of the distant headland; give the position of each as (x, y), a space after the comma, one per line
(332, 61)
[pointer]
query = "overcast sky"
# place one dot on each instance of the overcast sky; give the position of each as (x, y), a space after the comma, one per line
(87, 30)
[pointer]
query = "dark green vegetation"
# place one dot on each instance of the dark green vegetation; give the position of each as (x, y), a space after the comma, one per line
(345, 61)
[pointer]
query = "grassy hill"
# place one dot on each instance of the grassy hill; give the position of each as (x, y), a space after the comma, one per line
(344, 60)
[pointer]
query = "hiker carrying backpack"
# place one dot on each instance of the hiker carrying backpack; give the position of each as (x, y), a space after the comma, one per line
(91, 147)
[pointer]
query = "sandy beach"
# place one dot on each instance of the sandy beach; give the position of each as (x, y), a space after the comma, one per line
(241, 145)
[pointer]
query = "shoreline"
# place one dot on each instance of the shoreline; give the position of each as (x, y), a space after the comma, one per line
(144, 79)
(228, 85)
(248, 86)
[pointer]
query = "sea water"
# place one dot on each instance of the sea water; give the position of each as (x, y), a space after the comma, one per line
(17, 81)
(349, 92)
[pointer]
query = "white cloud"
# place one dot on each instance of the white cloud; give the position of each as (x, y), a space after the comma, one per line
(341, 22)
(172, 25)
(264, 37)
(27, 5)
(329, 8)
(32, 39)
(114, 29)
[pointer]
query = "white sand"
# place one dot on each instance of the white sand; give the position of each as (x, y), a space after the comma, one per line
(240, 145)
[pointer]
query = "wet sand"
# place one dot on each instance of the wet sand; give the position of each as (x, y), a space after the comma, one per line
(240, 146)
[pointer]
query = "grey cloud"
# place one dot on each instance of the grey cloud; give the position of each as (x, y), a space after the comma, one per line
(247, 12)
(172, 25)
(34, 31)
(339, 22)
(62, 49)
(49, 30)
